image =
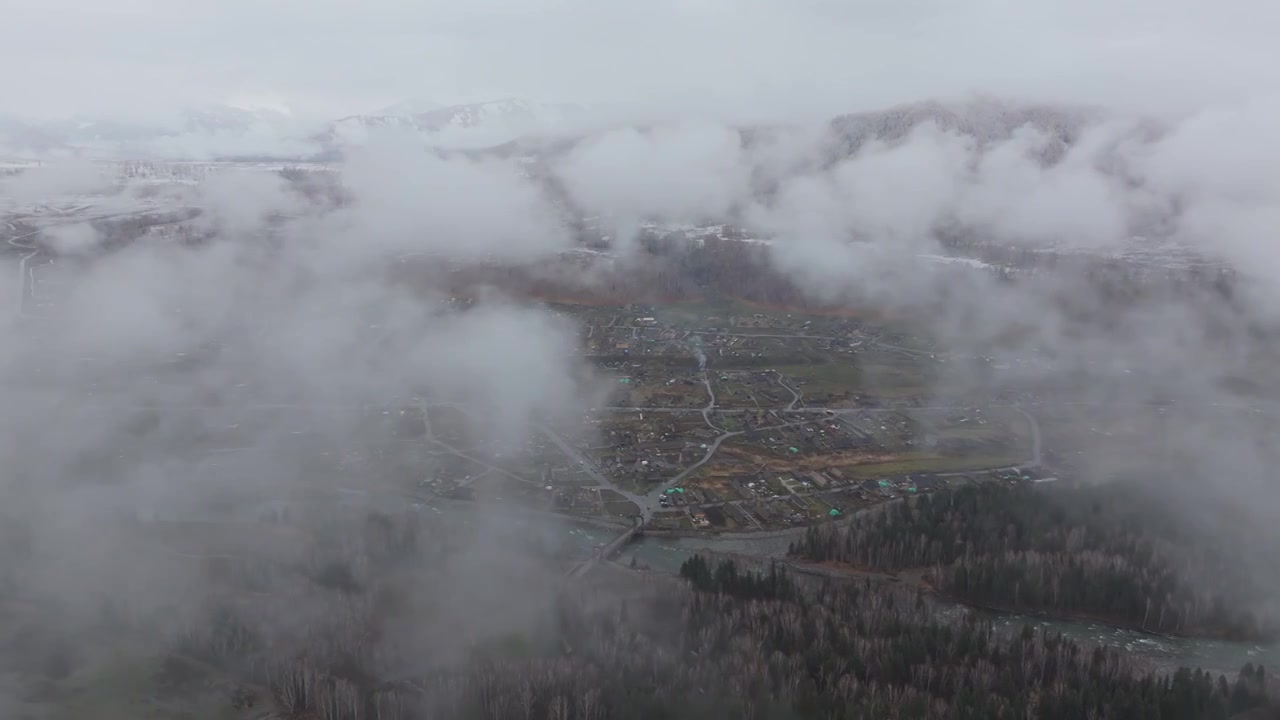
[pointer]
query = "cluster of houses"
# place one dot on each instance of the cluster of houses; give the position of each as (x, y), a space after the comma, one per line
(636, 334)
(642, 450)
(770, 501)
(824, 435)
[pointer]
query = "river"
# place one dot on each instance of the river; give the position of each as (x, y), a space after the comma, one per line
(1164, 653)
(665, 554)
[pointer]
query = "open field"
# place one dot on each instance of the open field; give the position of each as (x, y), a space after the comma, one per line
(928, 463)
(840, 381)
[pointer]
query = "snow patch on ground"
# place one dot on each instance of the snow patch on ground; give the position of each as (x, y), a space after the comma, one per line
(951, 260)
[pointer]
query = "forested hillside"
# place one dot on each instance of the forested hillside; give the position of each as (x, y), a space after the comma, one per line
(1099, 552)
(350, 630)
(736, 644)
(745, 645)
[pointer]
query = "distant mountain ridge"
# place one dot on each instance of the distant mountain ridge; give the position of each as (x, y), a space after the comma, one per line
(209, 131)
(227, 119)
(197, 132)
(410, 106)
(508, 126)
(477, 124)
(983, 119)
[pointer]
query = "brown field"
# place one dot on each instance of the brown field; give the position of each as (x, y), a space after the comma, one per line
(807, 462)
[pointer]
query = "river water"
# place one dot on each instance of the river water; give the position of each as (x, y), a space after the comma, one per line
(666, 554)
(1165, 653)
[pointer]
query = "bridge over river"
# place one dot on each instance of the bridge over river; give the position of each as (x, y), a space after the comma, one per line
(608, 552)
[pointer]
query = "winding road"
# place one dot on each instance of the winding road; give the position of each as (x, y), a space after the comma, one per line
(795, 394)
(590, 469)
(1036, 451)
(649, 502)
(31, 251)
(711, 403)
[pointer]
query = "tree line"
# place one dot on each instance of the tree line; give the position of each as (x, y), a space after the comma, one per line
(737, 643)
(1105, 552)
(408, 616)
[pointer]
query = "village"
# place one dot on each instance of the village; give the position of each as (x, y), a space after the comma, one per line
(732, 423)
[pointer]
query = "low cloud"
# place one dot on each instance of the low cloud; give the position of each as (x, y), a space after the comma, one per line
(170, 375)
(173, 380)
(69, 177)
(73, 239)
(409, 200)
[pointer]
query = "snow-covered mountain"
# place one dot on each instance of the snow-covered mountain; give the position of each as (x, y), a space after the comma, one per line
(410, 106)
(221, 131)
(224, 119)
(475, 125)
(201, 133)
(511, 126)
(212, 131)
(984, 120)
(35, 138)
(511, 113)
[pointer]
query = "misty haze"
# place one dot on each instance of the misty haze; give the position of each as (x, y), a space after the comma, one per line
(582, 361)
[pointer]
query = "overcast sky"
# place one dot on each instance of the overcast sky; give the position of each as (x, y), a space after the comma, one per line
(757, 57)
